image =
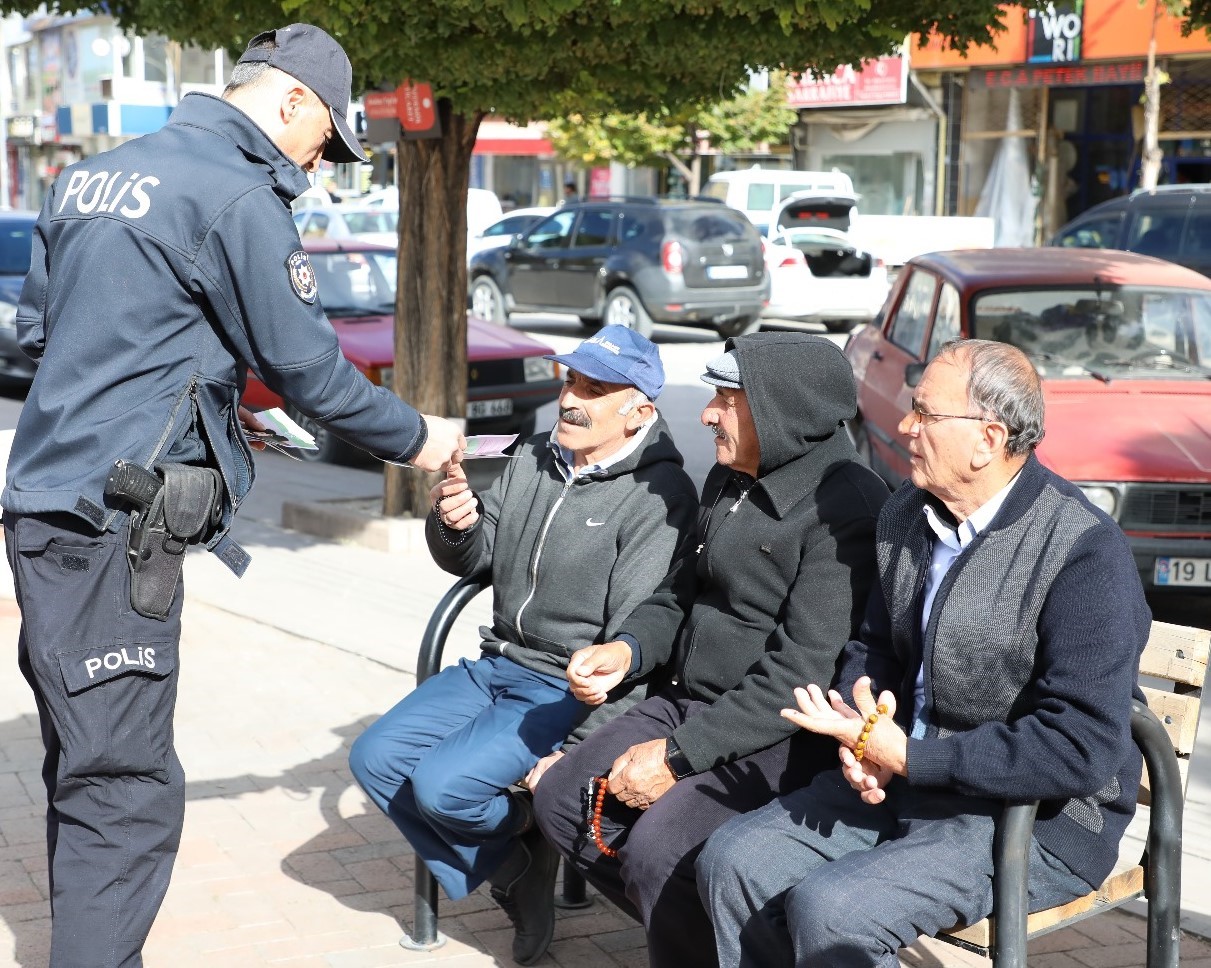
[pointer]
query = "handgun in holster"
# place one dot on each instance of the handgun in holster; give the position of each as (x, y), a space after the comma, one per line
(173, 507)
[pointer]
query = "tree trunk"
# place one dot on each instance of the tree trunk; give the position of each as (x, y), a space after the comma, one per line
(431, 296)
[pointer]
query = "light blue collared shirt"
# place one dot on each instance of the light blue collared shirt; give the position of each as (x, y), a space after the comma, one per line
(565, 460)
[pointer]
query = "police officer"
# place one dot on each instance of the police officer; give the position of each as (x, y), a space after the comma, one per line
(161, 271)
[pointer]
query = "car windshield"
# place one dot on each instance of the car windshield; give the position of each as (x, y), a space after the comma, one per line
(377, 221)
(16, 241)
(355, 283)
(1102, 331)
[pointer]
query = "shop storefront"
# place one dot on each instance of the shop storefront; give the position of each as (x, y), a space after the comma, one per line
(1066, 81)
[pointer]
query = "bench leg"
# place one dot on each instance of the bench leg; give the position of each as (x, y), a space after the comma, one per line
(1164, 913)
(425, 936)
(573, 896)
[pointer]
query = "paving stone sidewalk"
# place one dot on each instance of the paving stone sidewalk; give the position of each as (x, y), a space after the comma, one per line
(283, 861)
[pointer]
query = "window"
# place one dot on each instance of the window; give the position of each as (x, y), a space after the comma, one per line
(946, 320)
(1157, 234)
(594, 228)
(1096, 233)
(912, 315)
(761, 196)
(637, 224)
(553, 233)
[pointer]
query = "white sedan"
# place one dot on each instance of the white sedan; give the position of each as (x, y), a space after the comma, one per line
(376, 225)
(501, 231)
(818, 275)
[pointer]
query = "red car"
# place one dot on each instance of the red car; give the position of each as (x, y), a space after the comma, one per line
(507, 377)
(1123, 345)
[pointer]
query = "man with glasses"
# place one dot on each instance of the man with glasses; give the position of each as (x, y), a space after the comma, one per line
(997, 661)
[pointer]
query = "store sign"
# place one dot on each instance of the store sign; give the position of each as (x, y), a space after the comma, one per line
(880, 81)
(1072, 75)
(21, 127)
(1055, 33)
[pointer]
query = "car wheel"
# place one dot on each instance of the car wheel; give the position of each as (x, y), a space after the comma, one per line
(740, 326)
(591, 323)
(487, 302)
(329, 448)
(623, 308)
(838, 325)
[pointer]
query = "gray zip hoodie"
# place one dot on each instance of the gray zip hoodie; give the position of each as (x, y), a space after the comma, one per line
(571, 559)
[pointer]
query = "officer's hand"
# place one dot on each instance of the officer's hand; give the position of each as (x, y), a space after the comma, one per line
(249, 421)
(594, 671)
(444, 447)
(454, 501)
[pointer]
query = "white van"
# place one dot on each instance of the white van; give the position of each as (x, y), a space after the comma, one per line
(758, 191)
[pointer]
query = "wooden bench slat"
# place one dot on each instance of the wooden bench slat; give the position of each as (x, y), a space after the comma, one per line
(1178, 713)
(1117, 888)
(1177, 653)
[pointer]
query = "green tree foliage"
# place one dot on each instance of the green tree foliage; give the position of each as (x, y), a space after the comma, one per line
(737, 124)
(526, 60)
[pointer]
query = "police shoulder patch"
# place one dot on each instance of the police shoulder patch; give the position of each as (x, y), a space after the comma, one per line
(302, 276)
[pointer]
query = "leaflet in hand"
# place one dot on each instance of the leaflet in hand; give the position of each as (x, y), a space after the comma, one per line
(281, 433)
(488, 445)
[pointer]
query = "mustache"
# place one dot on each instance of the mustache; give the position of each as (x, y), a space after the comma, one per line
(578, 418)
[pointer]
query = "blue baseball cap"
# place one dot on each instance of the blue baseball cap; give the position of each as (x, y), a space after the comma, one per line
(618, 355)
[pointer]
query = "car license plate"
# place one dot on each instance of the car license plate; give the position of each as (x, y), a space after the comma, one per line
(1191, 572)
(477, 409)
(727, 272)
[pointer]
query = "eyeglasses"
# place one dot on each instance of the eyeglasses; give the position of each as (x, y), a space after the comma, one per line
(924, 415)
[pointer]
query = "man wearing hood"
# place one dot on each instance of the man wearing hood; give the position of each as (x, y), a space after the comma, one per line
(581, 527)
(784, 559)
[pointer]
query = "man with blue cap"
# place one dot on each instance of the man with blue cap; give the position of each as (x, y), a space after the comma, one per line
(581, 527)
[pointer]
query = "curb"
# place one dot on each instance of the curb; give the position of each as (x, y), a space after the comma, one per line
(356, 521)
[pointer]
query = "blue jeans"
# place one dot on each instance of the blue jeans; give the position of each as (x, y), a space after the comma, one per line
(438, 763)
(819, 878)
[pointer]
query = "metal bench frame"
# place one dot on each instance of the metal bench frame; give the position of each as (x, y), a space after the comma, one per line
(1176, 654)
(425, 935)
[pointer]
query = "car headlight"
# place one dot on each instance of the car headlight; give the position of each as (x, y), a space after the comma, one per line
(1102, 497)
(536, 368)
(8, 317)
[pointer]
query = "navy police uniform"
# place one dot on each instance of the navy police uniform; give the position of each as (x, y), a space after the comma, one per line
(161, 271)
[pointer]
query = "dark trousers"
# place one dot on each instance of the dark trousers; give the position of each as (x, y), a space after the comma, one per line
(652, 878)
(105, 681)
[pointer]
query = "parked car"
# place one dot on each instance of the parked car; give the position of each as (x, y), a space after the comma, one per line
(1123, 345)
(516, 222)
(838, 284)
(1171, 222)
(507, 377)
(376, 225)
(16, 241)
(757, 191)
(630, 262)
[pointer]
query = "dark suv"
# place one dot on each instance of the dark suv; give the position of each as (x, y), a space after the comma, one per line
(632, 262)
(1172, 222)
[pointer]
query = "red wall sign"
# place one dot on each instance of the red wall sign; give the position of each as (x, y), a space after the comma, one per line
(880, 81)
(416, 108)
(380, 105)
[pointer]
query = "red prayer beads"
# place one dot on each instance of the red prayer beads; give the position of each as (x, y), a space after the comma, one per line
(595, 823)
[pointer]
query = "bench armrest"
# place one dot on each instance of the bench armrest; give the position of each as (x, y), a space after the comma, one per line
(433, 642)
(1162, 856)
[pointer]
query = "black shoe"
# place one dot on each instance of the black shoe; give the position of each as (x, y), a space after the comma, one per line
(524, 887)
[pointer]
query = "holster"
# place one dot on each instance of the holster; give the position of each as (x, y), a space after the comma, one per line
(186, 510)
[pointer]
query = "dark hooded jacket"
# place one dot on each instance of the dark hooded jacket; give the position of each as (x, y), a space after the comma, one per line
(781, 579)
